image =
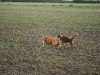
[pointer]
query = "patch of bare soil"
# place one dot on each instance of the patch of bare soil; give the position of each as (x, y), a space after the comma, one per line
(21, 53)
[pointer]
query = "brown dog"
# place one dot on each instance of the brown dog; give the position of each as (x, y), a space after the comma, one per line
(47, 40)
(66, 39)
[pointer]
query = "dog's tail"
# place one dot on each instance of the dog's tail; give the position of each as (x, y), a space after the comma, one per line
(74, 36)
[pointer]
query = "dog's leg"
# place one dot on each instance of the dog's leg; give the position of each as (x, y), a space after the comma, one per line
(60, 45)
(60, 42)
(43, 43)
(72, 43)
(63, 44)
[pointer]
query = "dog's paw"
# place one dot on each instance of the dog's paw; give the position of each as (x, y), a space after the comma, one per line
(42, 46)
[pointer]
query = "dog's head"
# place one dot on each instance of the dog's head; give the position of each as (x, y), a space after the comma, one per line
(44, 37)
(59, 36)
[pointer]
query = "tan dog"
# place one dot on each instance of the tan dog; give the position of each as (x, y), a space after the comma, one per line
(66, 39)
(47, 40)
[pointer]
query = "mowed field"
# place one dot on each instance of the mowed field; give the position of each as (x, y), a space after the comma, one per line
(21, 26)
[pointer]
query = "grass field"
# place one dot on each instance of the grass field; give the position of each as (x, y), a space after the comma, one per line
(21, 25)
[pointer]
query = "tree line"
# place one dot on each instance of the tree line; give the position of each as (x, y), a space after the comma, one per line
(33, 1)
(54, 1)
(86, 1)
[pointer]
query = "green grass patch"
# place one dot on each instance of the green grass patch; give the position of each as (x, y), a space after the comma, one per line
(12, 45)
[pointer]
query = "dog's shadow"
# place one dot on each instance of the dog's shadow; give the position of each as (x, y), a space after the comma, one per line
(61, 49)
(66, 48)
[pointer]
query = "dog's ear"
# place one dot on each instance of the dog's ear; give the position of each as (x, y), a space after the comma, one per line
(59, 36)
